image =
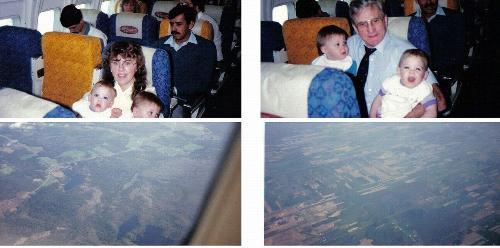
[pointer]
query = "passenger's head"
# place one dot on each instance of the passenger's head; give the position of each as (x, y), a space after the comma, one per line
(428, 7)
(130, 6)
(102, 96)
(72, 19)
(307, 8)
(369, 21)
(146, 105)
(182, 18)
(412, 67)
(198, 5)
(124, 64)
(332, 41)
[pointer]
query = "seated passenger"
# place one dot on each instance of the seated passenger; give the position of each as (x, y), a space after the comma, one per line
(402, 92)
(134, 6)
(146, 105)
(131, 6)
(446, 28)
(100, 101)
(193, 57)
(332, 43)
(123, 65)
(199, 6)
(72, 19)
(308, 8)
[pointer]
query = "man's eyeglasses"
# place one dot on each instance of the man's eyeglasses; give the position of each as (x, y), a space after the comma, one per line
(374, 21)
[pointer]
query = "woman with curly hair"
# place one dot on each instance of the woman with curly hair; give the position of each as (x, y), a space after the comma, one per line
(124, 65)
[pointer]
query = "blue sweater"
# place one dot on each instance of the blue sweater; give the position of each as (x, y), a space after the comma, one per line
(192, 67)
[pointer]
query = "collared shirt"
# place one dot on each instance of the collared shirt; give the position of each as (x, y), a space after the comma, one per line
(439, 11)
(217, 33)
(383, 62)
(170, 41)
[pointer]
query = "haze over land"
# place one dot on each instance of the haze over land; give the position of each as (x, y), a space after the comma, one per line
(105, 183)
(382, 184)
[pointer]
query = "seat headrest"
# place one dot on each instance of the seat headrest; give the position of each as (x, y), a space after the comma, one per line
(161, 8)
(214, 11)
(96, 18)
(399, 26)
(21, 40)
(137, 27)
(300, 36)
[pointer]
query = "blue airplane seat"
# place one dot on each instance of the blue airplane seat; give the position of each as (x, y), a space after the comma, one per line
(97, 18)
(18, 47)
(140, 28)
(271, 39)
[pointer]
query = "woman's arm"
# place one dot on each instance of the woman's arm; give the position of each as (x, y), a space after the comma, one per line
(375, 106)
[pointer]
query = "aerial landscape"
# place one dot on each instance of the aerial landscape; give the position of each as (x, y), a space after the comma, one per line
(106, 183)
(382, 184)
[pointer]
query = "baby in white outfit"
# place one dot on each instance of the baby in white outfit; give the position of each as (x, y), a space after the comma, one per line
(402, 92)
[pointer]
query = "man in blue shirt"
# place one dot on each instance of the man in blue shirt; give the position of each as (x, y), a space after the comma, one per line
(193, 57)
(370, 23)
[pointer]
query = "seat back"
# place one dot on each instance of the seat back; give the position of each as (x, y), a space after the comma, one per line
(214, 11)
(201, 27)
(97, 19)
(271, 39)
(334, 8)
(18, 49)
(161, 8)
(301, 91)
(410, 6)
(18, 104)
(300, 36)
(159, 74)
(411, 29)
(140, 28)
(69, 63)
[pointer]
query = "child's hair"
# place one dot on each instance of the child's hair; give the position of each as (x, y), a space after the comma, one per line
(106, 84)
(326, 32)
(415, 53)
(146, 96)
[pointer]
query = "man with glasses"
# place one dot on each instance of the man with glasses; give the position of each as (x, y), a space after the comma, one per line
(377, 52)
(72, 19)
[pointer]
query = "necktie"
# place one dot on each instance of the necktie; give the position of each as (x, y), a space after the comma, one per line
(359, 84)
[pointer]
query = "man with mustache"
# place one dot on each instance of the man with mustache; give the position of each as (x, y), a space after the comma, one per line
(193, 58)
(446, 29)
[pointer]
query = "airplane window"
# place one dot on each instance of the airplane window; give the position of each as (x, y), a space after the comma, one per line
(107, 183)
(46, 21)
(105, 7)
(6, 22)
(81, 6)
(280, 14)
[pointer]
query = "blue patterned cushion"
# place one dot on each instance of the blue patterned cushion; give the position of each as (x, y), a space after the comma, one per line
(18, 45)
(332, 95)
(150, 28)
(161, 78)
(60, 112)
(417, 34)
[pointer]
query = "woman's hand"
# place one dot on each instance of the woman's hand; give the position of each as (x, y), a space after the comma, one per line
(116, 112)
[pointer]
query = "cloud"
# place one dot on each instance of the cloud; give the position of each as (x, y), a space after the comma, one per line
(20, 125)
